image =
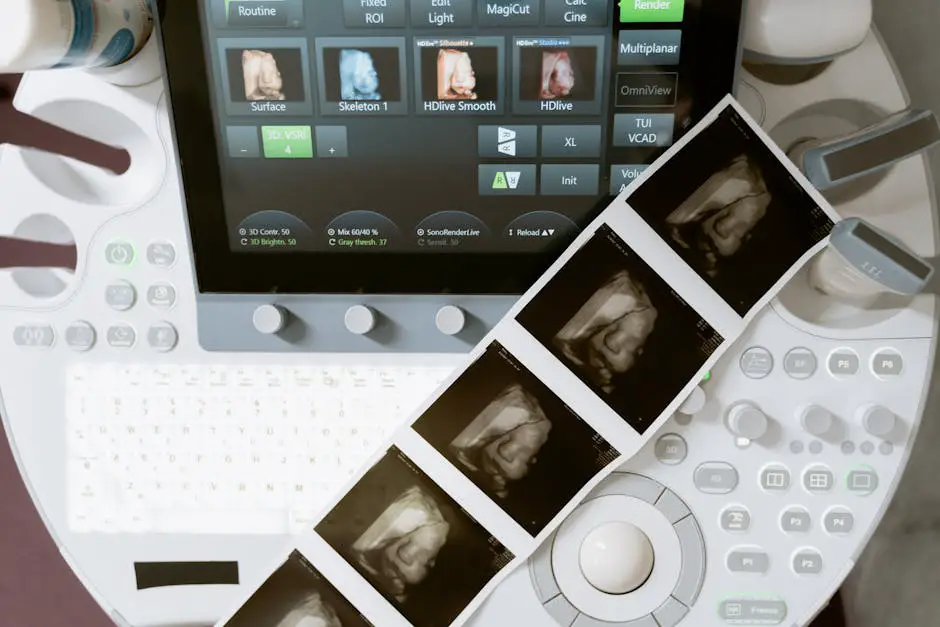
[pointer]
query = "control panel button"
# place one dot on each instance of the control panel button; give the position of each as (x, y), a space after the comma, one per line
(818, 479)
(756, 362)
(815, 420)
(161, 254)
(746, 421)
(672, 507)
(119, 253)
(671, 449)
(121, 336)
(839, 521)
(161, 296)
(775, 478)
(120, 296)
(862, 481)
(735, 518)
(360, 319)
(450, 320)
(692, 569)
(561, 610)
(753, 611)
(80, 336)
(887, 363)
(795, 520)
(163, 337)
(877, 420)
(843, 362)
(715, 478)
(269, 319)
(807, 562)
(34, 336)
(670, 613)
(694, 403)
(800, 363)
(748, 561)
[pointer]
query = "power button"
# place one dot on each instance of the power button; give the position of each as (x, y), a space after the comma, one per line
(119, 253)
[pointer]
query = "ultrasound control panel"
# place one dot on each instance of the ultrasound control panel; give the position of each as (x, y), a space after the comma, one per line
(359, 173)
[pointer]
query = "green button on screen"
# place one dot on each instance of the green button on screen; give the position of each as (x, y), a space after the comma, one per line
(287, 142)
(652, 10)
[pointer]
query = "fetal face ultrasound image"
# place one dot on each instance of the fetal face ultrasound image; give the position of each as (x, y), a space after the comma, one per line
(412, 542)
(558, 73)
(272, 74)
(732, 211)
(297, 595)
(619, 327)
(362, 74)
(501, 427)
(468, 73)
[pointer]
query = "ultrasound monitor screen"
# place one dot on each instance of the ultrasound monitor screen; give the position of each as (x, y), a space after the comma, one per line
(465, 127)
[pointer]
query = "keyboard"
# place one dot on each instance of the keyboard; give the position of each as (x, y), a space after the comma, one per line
(225, 449)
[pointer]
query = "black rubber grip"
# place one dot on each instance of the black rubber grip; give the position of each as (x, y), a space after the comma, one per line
(164, 574)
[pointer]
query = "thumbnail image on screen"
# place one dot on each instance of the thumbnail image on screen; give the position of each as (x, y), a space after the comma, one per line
(362, 74)
(272, 74)
(558, 73)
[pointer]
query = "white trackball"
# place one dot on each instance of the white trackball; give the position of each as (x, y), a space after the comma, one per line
(616, 557)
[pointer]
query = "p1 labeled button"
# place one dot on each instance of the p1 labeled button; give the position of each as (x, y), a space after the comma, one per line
(570, 179)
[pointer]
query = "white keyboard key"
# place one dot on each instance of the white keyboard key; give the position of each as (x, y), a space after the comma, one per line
(225, 449)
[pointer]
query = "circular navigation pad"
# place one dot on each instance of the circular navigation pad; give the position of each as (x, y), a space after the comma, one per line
(631, 555)
(643, 600)
(616, 557)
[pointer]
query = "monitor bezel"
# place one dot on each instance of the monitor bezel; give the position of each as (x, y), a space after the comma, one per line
(220, 270)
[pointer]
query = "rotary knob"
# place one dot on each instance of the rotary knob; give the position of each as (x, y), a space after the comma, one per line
(269, 319)
(450, 319)
(360, 319)
(746, 421)
(877, 420)
(815, 420)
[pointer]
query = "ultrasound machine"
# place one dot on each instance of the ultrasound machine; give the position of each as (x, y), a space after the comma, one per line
(329, 204)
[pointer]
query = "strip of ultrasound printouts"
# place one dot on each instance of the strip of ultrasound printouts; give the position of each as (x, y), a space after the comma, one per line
(396, 506)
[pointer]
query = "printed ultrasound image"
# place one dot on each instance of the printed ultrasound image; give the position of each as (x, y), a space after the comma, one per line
(619, 327)
(413, 542)
(362, 74)
(297, 595)
(257, 75)
(558, 73)
(732, 211)
(514, 438)
(469, 73)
